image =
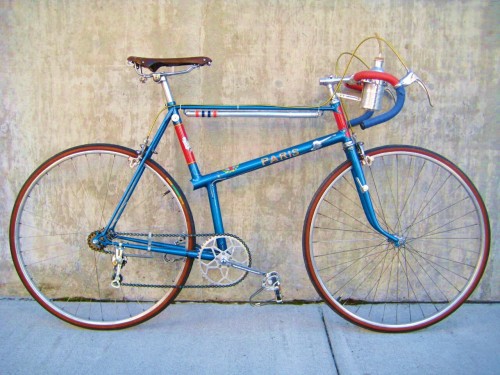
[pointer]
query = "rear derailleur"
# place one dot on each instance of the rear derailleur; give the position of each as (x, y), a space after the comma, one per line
(119, 261)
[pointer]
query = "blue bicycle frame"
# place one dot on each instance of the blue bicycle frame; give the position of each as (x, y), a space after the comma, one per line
(209, 181)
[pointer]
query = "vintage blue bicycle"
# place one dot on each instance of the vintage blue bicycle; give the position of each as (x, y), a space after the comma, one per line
(395, 239)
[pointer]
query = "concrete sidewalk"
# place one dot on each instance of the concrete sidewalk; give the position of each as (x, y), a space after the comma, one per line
(195, 338)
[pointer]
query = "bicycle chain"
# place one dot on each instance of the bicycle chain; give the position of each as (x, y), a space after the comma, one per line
(183, 235)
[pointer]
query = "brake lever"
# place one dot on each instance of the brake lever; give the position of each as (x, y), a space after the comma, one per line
(422, 84)
(411, 78)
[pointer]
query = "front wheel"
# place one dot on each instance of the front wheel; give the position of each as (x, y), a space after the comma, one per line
(419, 196)
(55, 217)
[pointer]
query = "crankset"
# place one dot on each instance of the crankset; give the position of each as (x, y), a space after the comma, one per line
(224, 260)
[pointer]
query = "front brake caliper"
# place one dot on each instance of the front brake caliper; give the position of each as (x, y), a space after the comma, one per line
(365, 159)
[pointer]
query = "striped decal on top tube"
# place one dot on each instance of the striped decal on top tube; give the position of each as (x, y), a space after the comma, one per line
(205, 113)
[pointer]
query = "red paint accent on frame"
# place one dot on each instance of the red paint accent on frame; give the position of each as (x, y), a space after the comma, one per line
(184, 142)
(341, 120)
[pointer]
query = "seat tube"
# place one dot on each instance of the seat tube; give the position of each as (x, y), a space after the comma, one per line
(179, 130)
(213, 198)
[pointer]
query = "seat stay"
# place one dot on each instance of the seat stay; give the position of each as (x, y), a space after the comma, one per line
(137, 174)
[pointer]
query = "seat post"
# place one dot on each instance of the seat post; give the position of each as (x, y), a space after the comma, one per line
(166, 88)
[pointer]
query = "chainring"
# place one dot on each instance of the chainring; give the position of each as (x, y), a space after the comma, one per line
(224, 250)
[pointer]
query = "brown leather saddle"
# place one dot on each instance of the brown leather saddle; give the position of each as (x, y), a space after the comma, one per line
(154, 64)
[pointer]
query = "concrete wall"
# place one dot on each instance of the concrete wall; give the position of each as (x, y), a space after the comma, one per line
(64, 81)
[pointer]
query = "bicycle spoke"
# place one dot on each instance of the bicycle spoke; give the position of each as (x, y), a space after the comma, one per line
(429, 206)
(349, 215)
(345, 226)
(74, 194)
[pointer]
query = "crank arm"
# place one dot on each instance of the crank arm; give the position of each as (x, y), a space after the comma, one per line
(244, 268)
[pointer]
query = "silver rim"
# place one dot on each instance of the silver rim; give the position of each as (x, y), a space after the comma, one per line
(72, 198)
(372, 282)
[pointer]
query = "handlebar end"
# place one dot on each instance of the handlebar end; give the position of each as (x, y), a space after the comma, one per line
(386, 116)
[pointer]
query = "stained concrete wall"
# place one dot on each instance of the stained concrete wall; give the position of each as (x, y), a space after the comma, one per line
(64, 82)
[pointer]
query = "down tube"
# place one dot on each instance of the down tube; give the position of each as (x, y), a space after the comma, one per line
(209, 181)
(270, 159)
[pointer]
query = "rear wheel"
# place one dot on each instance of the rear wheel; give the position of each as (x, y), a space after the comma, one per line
(419, 196)
(59, 209)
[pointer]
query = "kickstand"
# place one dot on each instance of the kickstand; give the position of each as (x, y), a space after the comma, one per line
(271, 282)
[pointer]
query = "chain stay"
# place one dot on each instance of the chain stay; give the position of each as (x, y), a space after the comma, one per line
(181, 235)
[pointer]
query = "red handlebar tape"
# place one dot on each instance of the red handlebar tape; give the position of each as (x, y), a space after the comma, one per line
(371, 74)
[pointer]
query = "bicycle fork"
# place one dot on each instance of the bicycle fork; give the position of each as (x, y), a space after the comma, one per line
(355, 154)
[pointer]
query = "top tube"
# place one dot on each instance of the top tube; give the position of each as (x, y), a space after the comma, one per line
(213, 111)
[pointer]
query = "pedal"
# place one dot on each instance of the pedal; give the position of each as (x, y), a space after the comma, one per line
(272, 283)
